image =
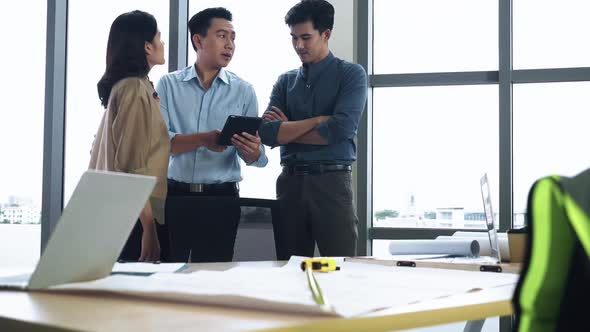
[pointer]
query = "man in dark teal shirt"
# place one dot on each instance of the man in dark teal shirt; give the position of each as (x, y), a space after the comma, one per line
(313, 115)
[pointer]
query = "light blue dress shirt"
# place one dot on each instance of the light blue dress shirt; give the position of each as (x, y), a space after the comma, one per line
(188, 108)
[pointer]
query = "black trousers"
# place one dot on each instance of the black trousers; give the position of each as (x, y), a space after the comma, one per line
(202, 225)
(318, 209)
(132, 249)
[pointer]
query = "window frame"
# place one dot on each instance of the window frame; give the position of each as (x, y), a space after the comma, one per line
(505, 77)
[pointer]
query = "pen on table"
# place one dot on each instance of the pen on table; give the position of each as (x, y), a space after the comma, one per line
(320, 264)
(316, 291)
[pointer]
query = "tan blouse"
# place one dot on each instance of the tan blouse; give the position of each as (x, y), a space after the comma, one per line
(133, 137)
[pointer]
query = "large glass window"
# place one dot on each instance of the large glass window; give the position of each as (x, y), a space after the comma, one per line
(431, 146)
(88, 30)
(263, 52)
(21, 131)
(550, 34)
(420, 36)
(550, 134)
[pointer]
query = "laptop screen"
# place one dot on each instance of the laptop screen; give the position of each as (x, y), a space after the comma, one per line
(93, 228)
(490, 218)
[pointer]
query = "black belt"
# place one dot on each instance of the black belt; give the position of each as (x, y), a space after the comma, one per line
(314, 169)
(224, 187)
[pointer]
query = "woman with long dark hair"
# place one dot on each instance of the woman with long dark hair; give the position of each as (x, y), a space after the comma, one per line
(133, 137)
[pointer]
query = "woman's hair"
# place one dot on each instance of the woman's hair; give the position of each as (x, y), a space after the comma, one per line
(126, 50)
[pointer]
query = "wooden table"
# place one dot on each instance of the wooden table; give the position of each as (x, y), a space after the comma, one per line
(47, 311)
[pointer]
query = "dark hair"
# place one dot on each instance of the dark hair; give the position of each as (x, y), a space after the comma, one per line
(126, 50)
(319, 12)
(201, 21)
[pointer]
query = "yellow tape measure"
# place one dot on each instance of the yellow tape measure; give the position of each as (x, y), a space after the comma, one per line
(319, 264)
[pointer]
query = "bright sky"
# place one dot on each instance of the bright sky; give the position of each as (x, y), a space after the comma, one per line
(433, 142)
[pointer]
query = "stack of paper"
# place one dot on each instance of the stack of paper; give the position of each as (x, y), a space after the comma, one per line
(139, 268)
(355, 290)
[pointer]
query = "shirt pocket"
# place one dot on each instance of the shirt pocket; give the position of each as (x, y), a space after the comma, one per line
(219, 115)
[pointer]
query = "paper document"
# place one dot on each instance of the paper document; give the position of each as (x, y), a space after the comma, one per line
(146, 267)
(356, 289)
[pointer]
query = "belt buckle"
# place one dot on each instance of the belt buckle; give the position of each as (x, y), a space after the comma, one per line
(196, 187)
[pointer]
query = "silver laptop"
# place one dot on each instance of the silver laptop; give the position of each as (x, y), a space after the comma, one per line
(491, 222)
(91, 231)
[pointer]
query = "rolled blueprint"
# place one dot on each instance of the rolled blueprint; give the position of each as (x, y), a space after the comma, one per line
(483, 240)
(454, 247)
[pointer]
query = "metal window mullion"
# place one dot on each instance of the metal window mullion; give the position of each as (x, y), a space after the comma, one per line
(505, 114)
(551, 75)
(178, 50)
(54, 122)
(505, 51)
(434, 79)
(363, 167)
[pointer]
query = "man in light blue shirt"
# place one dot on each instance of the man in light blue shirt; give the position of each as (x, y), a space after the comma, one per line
(195, 103)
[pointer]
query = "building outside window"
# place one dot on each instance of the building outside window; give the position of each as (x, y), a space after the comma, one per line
(21, 131)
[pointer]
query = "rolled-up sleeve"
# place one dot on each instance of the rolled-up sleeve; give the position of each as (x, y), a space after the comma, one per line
(131, 130)
(348, 107)
(269, 130)
(162, 94)
(251, 105)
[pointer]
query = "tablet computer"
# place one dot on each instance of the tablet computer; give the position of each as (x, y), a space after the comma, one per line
(236, 124)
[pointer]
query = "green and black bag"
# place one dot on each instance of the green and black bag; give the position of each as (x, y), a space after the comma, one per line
(553, 291)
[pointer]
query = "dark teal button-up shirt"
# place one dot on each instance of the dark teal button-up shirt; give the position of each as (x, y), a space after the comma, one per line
(332, 87)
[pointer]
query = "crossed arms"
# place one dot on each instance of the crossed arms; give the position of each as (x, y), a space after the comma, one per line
(302, 131)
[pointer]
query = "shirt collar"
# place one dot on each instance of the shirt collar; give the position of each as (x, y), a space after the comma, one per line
(191, 72)
(223, 76)
(310, 70)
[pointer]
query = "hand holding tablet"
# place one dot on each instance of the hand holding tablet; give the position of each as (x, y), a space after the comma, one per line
(236, 124)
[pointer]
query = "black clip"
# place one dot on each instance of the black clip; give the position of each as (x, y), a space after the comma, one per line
(406, 263)
(490, 268)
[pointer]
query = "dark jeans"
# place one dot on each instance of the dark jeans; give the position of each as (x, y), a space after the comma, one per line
(318, 209)
(202, 225)
(132, 249)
